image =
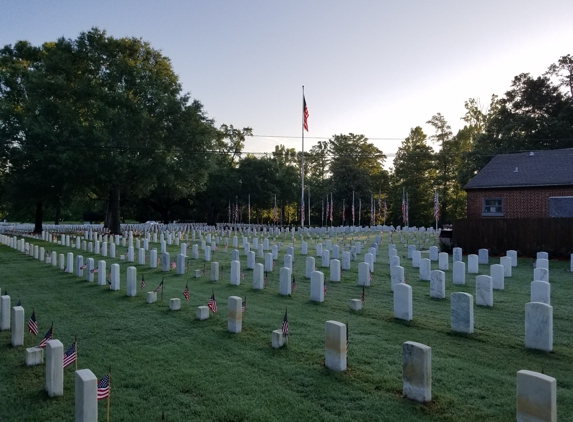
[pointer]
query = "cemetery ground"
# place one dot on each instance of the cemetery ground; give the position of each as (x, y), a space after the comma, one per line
(167, 361)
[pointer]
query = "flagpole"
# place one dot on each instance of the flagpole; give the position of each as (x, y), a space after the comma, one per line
(309, 206)
(302, 163)
(109, 393)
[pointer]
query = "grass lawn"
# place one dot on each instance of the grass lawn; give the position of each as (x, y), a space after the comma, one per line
(195, 370)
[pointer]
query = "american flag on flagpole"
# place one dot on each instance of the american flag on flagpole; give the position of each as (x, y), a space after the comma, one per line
(70, 356)
(343, 210)
(212, 304)
(407, 211)
(380, 205)
(186, 292)
(302, 212)
(404, 206)
(436, 206)
(353, 216)
(47, 337)
(275, 211)
(103, 388)
(236, 209)
(385, 210)
(32, 324)
(327, 210)
(331, 208)
(229, 211)
(159, 287)
(249, 208)
(305, 113)
(285, 324)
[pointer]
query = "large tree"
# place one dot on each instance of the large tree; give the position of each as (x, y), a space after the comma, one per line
(105, 114)
(414, 173)
(356, 165)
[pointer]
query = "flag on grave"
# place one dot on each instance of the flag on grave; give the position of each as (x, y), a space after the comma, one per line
(70, 356)
(32, 324)
(325, 289)
(103, 388)
(160, 287)
(346, 339)
(95, 270)
(186, 292)
(19, 302)
(48, 336)
(83, 267)
(362, 293)
(173, 265)
(293, 286)
(285, 324)
(212, 304)
(244, 305)
(142, 282)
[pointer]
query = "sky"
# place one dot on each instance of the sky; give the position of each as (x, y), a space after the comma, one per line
(371, 67)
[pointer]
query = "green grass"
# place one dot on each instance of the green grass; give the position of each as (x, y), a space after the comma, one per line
(196, 370)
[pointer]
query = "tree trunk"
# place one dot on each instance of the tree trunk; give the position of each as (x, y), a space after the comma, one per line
(38, 222)
(107, 218)
(114, 210)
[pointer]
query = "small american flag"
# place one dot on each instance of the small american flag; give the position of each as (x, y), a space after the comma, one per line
(293, 286)
(244, 305)
(371, 277)
(204, 269)
(266, 278)
(160, 287)
(186, 292)
(173, 265)
(83, 267)
(19, 302)
(103, 388)
(95, 270)
(32, 324)
(285, 325)
(242, 275)
(47, 337)
(325, 289)
(142, 282)
(70, 356)
(362, 293)
(212, 304)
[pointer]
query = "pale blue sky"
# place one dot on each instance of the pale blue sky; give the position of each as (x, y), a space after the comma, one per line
(376, 68)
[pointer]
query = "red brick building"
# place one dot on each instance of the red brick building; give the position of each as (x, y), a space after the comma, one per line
(536, 184)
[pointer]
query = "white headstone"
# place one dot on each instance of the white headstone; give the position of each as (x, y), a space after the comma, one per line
(462, 312)
(473, 266)
(425, 268)
(285, 286)
(506, 262)
(317, 286)
(443, 261)
(86, 396)
(483, 256)
(541, 292)
(437, 284)
(258, 277)
(459, 273)
(536, 397)
(335, 346)
(497, 273)
(310, 266)
(417, 371)
(539, 326)
(403, 302)
(55, 368)
(235, 273)
(484, 290)
(363, 274)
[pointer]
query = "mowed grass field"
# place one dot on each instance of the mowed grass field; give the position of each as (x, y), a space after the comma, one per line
(165, 361)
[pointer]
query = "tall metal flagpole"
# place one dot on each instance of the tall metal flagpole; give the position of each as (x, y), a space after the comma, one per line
(302, 164)
(309, 206)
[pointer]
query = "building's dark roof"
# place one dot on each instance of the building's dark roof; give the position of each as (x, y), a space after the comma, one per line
(536, 168)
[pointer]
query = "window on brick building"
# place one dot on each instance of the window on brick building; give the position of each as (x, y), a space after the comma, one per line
(492, 207)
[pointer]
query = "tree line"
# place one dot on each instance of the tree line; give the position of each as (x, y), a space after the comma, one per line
(98, 128)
